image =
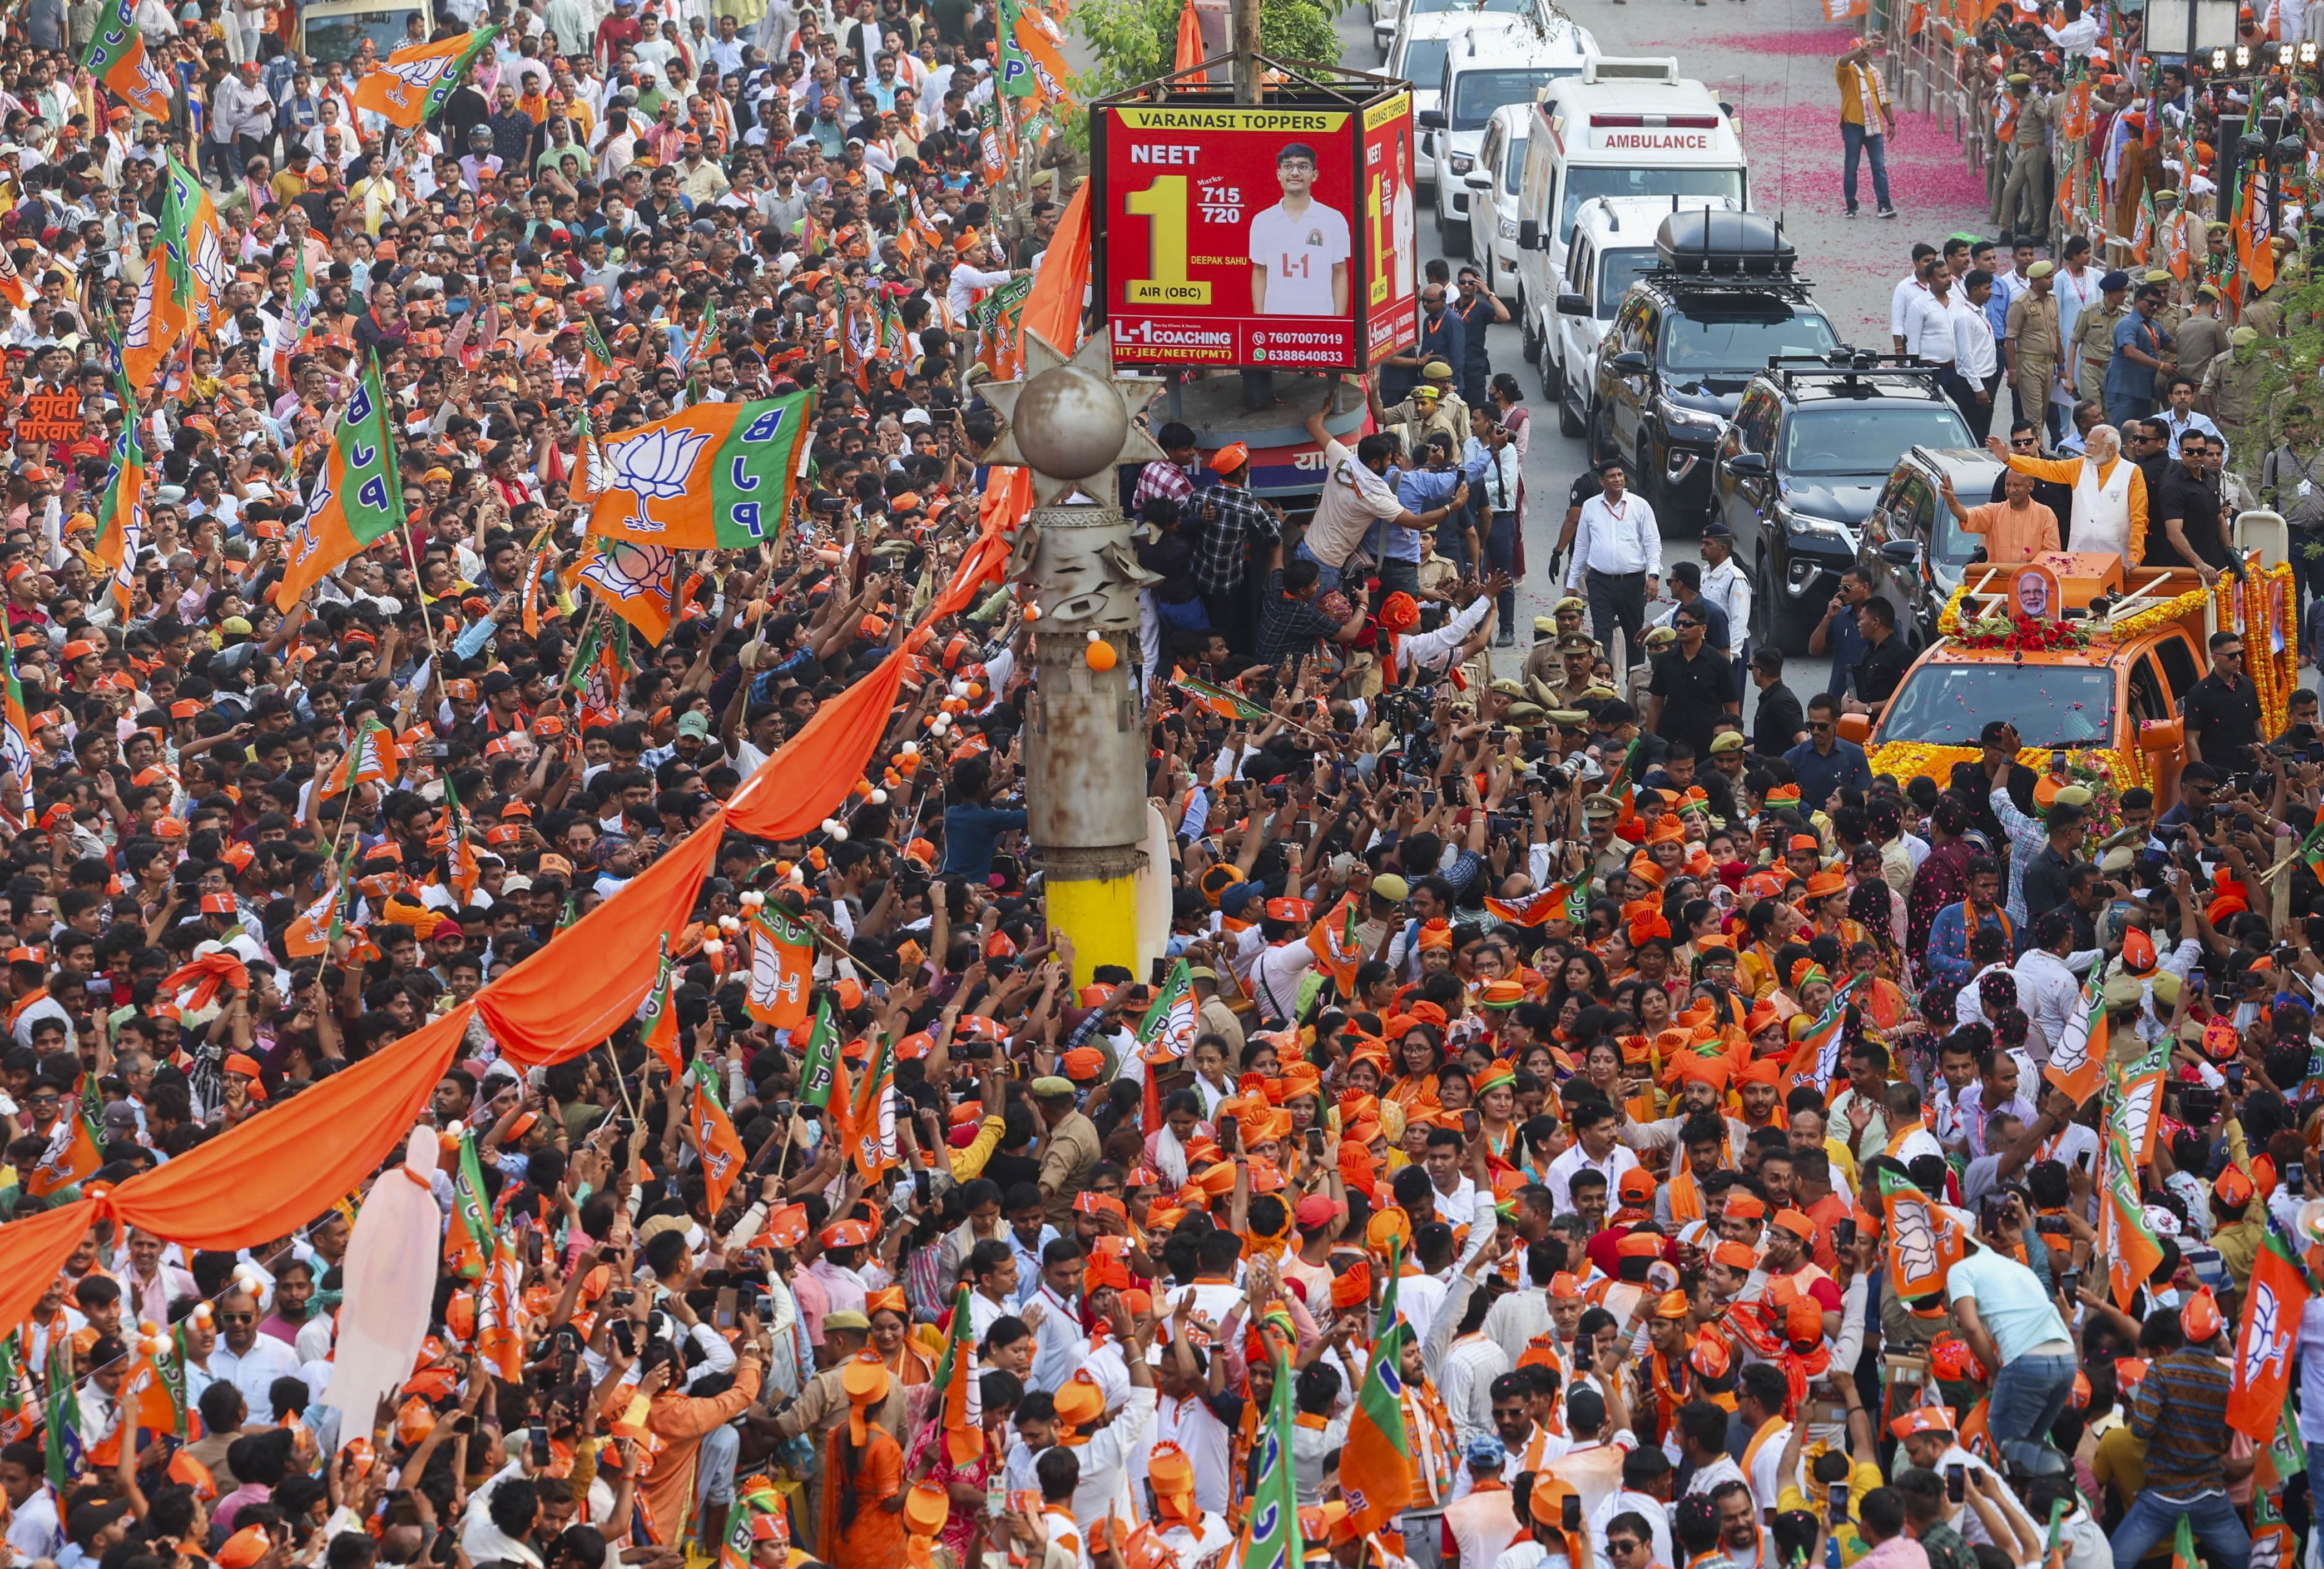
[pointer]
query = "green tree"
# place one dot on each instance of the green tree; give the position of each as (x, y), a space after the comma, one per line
(1134, 41)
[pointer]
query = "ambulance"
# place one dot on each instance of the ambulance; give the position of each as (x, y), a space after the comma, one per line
(1620, 127)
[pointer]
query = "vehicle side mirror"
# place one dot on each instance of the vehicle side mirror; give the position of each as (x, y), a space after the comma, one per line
(1901, 552)
(1630, 365)
(1528, 235)
(1574, 305)
(1432, 119)
(1856, 728)
(1747, 465)
(1480, 180)
(2162, 735)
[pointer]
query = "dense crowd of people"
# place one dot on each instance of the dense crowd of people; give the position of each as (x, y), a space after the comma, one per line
(1572, 1126)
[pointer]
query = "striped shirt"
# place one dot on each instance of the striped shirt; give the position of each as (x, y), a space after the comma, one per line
(2181, 1412)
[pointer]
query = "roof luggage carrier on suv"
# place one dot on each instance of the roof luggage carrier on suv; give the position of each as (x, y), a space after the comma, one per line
(1850, 365)
(1720, 243)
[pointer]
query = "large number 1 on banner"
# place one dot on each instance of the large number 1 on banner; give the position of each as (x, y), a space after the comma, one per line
(1383, 242)
(1163, 206)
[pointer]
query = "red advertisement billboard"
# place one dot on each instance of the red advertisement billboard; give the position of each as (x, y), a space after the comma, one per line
(1391, 210)
(1243, 236)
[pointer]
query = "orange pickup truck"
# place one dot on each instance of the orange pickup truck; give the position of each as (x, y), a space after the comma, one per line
(2101, 675)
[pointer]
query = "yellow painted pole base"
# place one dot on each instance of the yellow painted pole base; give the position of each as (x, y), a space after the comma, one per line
(1101, 916)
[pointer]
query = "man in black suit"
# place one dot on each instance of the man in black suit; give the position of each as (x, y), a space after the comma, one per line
(1780, 722)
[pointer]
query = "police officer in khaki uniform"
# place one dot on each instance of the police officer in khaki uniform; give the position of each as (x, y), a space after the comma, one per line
(1541, 661)
(2092, 346)
(1610, 855)
(2203, 336)
(1578, 652)
(2034, 342)
(2232, 391)
(1433, 407)
(2029, 158)
(1546, 659)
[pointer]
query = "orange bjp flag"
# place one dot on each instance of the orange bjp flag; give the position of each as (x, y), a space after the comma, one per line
(714, 1142)
(1924, 1243)
(2131, 1251)
(415, 83)
(144, 1406)
(2267, 1342)
(782, 969)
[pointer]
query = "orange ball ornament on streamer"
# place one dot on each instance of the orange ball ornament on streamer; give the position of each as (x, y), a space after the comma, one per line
(1100, 655)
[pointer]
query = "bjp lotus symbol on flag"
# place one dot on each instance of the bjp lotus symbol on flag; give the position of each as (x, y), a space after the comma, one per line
(415, 83)
(654, 466)
(717, 476)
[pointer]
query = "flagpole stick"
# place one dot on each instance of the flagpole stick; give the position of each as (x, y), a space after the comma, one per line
(620, 1083)
(588, 616)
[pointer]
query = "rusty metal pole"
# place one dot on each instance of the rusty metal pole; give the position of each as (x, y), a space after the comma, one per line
(1242, 27)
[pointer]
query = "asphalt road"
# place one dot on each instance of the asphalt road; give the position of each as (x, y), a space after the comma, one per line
(1772, 60)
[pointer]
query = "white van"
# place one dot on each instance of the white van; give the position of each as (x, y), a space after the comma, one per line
(1424, 42)
(1483, 71)
(1493, 197)
(1621, 128)
(1386, 14)
(1612, 243)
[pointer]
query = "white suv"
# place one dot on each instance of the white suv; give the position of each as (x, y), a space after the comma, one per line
(1493, 186)
(1483, 71)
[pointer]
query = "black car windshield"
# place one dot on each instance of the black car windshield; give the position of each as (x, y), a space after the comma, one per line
(1867, 437)
(1477, 93)
(1616, 270)
(1739, 339)
(2051, 705)
(1424, 60)
(1952, 543)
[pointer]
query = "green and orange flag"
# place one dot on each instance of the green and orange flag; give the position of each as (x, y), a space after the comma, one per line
(117, 57)
(1271, 1537)
(717, 476)
(414, 84)
(2131, 1251)
(1375, 1459)
(714, 1136)
(1219, 700)
(357, 500)
(468, 1240)
(15, 724)
(659, 1017)
(1567, 901)
(1335, 943)
(596, 358)
(185, 271)
(121, 512)
(955, 1370)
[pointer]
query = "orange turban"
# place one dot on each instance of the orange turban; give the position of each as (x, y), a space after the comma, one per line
(1669, 830)
(1437, 932)
(1824, 884)
(1710, 1070)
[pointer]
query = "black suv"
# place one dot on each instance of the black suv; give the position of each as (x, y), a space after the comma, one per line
(1719, 303)
(1801, 464)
